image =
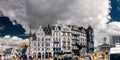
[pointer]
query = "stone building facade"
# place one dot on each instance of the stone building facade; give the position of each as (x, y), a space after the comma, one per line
(55, 40)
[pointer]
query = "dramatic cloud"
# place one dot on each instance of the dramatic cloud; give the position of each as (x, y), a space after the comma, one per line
(15, 9)
(78, 12)
(41, 12)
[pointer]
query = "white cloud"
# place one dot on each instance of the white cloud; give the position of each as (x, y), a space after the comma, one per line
(8, 42)
(114, 28)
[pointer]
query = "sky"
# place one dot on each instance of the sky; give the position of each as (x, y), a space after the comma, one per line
(102, 15)
(115, 11)
(8, 28)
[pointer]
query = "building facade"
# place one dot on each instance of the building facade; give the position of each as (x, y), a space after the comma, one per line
(114, 39)
(104, 47)
(90, 39)
(55, 40)
(78, 36)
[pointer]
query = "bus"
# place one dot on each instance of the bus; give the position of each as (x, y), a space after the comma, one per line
(114, 53)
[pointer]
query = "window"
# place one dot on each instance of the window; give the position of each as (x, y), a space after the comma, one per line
(64, 44)
(42, 39)
(42, 44)
(56, 34)
(68, 48)
(34, 44)
(63, 47)
(38, 39)
(48, 48)
(53, 34)
(53, 38)
(80, 34)
(68, 44)
(56, 39)
(59, 39)
(68, 40)
(38, 48)
(42, 48)
(81, 39)
(64, 39)
(34, 55)
(54, 49)
(47, 44)
(47, 39)
(34, 38)
(38, 44)
(55, 45)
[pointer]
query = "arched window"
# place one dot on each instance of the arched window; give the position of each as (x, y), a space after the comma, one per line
(39, 55)
(50, 55)
(42, 39)
(34, 55)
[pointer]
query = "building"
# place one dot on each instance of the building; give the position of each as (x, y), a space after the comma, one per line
(55, 40)
(114, 39)
(78, 36)
(41, 44)
(90, 39)
(104, 46)
(62, 42)
(9, 53)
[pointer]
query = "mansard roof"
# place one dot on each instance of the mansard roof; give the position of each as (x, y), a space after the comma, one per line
(77, 28)
(48, 29)
(81, 29)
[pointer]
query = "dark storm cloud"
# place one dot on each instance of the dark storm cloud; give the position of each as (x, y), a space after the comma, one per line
(47, 11)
